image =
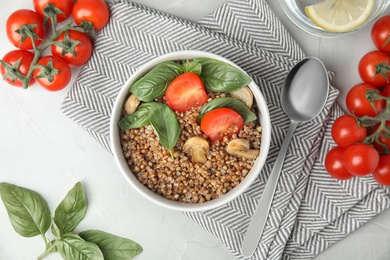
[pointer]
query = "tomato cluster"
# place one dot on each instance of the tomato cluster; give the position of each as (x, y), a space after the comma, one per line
(363, 137)
(70, 44)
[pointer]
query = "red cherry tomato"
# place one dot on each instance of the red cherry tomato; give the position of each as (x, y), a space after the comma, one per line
(61, 77)
(380, 33)
(360, 159)
(346, 131)
(25, 58)
(358, 104)
(82, 50)
(374, 68)
(94, 11)
(382, 138)
(221, 122)
(64, 5)
(382, 173)
(334, 164)
(185, 92)
(386, 90)
(24, 17)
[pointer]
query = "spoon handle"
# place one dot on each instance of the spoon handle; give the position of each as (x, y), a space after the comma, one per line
(255, 229)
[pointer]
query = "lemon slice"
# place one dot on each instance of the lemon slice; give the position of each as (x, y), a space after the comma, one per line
(340, 15)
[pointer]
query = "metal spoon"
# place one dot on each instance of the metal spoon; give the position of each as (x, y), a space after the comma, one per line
(303, 96)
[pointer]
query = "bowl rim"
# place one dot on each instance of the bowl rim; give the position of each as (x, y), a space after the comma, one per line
(116, 148)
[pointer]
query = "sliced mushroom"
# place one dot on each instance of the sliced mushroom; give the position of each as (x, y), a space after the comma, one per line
(240, 147)
(131, 104)
(245, 95)
(197, 147)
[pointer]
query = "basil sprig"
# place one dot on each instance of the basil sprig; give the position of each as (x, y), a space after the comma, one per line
(30, 216)
(228, 102)
(154, 83)
(219, 76)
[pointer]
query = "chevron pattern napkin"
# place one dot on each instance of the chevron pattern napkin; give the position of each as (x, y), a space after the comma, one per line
(311, 211)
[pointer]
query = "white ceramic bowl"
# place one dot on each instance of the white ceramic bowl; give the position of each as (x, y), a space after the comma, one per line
(158, 199)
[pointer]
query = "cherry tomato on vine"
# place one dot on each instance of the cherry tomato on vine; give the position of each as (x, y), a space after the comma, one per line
(346, 131)
(64, 8)
(221, 122)
(374, 68)
(12, 58)
(382, 138)
(185, 92)
(21, 21)
(382, 173)
(380, 33)
(386, 90)
(94, 11)
(334, 164)
(358, 104)
(55, 75)
(360, 159)
(72, 46)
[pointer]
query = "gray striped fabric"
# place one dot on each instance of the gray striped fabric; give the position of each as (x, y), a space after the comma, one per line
(307, 215)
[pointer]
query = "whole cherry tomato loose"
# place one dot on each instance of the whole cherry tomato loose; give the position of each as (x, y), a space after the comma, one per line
(382, 173)
(24, 58)
(358, 104)
(380, 33)
(334, 164)
(384, 140)
(346, 131)
(93, 11)
(55, 75)
(360, 159)
(221, 122)
(374, 68)
(185, 92)
(72, 46)
(19, 22)
(64, 8)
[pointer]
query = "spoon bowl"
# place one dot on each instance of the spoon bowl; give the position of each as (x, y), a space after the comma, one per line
(303, 97)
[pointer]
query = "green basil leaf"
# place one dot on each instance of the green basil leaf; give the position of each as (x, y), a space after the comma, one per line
(113, 247)
(193, 67)
(27, 210)
(139, 118)
(219, 76)
(72, 246)
(71, 210)
(154, 83)
(228, 102)
(166, 125)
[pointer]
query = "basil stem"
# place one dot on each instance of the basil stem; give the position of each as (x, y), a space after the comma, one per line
(113, 247)
(154, 83)
(228, 102)
(167, 127)
(219, 76)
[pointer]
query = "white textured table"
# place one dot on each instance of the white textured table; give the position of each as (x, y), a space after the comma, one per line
(45, 151)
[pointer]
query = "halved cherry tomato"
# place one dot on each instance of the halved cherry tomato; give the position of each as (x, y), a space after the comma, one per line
(374, 68)
(380, 33)
(75, 47)
(30, 19)
(185, 92)
(358, 104)
(346, 131)
(59, 70)
(360, 159)
(64, 6)
(13, 57)
(382, 138)
(382, 173)
(334, 164)
(93, 11)
(221, 122)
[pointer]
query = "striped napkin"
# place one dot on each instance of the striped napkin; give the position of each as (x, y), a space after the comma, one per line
(311, 211)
